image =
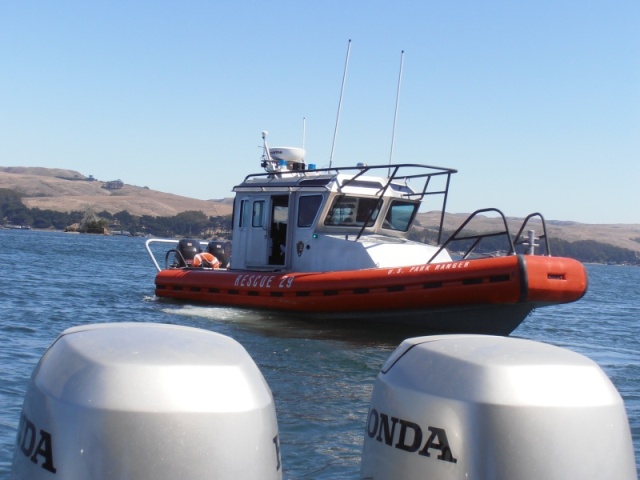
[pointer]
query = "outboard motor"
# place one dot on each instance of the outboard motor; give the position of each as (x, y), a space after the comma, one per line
(465, 406)
(217, 249)
(146, 401)
(186, 250)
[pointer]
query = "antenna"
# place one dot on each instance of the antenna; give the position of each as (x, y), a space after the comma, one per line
(265, 147)
(344, 79)
(304, 130)
(266, 161)
(395, 114)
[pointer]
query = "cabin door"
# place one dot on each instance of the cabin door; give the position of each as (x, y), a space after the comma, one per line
(263, 226)
(279, 220)
(253, 231)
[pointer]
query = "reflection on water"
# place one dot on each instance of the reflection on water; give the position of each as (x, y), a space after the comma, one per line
(274, 324)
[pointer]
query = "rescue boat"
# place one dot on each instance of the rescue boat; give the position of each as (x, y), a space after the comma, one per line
(334, 244)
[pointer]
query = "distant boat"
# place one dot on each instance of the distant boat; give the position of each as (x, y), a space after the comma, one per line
(333, 243)
(18, 227)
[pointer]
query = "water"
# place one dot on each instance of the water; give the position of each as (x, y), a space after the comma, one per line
(321, 377)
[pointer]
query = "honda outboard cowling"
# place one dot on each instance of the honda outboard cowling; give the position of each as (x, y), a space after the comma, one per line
(134, 401)
(146, 401)
(186, 250)
(494, 408)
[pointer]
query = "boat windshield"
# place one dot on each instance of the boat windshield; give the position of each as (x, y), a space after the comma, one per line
(353, 211)
(400, 215)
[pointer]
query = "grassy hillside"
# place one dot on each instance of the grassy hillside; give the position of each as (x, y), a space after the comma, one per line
(67, 190)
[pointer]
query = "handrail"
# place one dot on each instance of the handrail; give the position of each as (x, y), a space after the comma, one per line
(362, 169)
(544, 236)
(175, 251)
(147, 245)
(477, 237)
(393, 175)
(513, 243)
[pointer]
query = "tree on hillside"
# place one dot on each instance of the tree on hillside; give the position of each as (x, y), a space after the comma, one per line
(190, 223)
(106, 215)
(9, 198)
(124, 218)
(50, 218)
(92, 223)
(12, 210)
(113, 185)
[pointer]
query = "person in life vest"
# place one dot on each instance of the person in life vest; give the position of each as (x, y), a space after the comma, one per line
(206, 260)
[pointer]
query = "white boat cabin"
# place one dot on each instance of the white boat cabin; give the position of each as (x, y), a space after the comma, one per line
(298, 218)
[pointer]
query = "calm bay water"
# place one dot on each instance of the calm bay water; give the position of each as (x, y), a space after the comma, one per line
(321, 377)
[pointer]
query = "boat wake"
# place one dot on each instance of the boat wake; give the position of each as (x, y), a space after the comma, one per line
(212, 313)
(280, 325)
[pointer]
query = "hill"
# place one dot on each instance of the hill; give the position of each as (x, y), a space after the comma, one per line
(68, 190)
(619, 235)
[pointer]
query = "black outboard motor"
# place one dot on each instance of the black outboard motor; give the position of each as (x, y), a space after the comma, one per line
(217, 249)
(186, 250)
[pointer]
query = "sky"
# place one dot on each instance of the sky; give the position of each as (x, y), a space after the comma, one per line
(536, 104)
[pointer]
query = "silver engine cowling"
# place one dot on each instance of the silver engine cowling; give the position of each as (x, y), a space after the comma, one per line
(146, 401)
(149, 401)
(463, 406)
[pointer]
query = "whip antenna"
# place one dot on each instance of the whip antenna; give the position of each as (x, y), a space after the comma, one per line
(395, 114)
(304, 130)
(344, 79)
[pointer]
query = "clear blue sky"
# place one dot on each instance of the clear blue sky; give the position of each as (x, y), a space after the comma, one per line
(537, 104)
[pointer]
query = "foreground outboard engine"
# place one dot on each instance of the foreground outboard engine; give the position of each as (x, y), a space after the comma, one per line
(494, 408)
(146, 401)
(186, 250)
(134, 401)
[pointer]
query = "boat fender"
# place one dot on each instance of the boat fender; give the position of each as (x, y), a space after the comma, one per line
(206, 260)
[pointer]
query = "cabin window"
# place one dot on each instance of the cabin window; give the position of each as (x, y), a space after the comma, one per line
(400, 215)
(308, 207)
(353, 211)
(245, 213)
(257, 218)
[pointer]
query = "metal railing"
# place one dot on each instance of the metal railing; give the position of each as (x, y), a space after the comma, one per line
(476, 238)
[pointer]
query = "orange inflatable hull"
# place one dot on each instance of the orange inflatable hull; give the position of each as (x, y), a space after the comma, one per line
(492, 295)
